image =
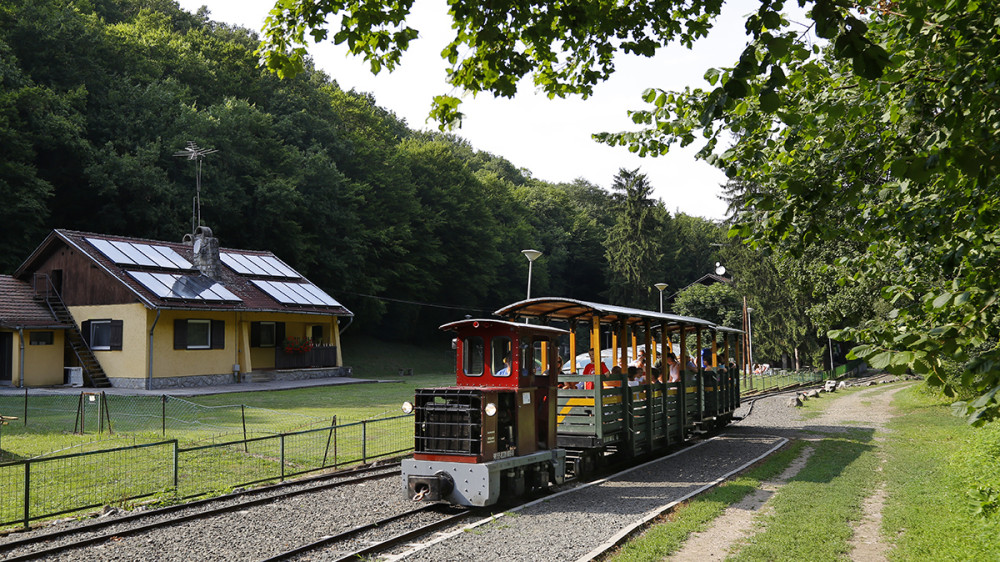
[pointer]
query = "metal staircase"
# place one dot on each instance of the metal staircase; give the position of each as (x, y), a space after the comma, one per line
(93, 373)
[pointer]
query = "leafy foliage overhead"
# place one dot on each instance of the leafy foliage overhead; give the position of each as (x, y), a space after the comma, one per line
(409, 230)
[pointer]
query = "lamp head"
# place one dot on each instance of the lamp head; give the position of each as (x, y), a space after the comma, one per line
(532, 255)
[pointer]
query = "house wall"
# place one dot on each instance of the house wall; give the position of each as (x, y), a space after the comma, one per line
(296, 326)
(83, 281)
(130, 361)
(129, 367)
(43, 364)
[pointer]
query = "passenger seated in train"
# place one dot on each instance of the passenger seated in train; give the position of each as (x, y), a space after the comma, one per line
(590, 370)
(633, 375)
(615, 379)
(654, 376)
(675, 368)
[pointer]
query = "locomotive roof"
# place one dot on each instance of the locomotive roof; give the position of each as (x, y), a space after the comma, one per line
(475, 322)
(572, 309)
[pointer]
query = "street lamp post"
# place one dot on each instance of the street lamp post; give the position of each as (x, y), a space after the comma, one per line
(660, 287)
(750, 344)
(532, 255)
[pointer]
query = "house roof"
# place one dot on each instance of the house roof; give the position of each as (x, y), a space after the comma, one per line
(162, 275)
(19, 309)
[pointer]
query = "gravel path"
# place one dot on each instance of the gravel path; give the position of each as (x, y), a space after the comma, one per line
(572, 525)
(867, 409)
(256, 532)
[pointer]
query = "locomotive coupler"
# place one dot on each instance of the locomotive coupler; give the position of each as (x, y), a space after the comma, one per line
(430, 488)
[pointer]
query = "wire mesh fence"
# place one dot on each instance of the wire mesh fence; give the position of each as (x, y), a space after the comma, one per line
(782, 378)
(47, 486)
(165, 415)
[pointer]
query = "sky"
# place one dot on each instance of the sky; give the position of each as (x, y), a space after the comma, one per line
(549, 138)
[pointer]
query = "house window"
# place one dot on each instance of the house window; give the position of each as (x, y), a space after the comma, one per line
(41, 338)
(199, 334)
(268, 332)
(103, 335)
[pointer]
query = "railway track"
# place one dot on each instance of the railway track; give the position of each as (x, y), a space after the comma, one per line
(379, 536)
(53, 543)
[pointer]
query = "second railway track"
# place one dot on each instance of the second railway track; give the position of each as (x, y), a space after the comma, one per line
(62, 543)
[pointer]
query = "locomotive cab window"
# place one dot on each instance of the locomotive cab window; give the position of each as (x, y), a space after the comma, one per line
(541, 357)
(473, 350)
(500, 357)
(528, 359)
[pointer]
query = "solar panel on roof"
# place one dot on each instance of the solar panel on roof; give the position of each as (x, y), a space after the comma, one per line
(251, 264)
(295, 293)
(261, 263)
(133, 253)
(276, 264)
(109, 251)
(137, 257)
(240, 264)
(187, 287)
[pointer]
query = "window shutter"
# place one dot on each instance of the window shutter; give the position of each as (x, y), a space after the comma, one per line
(279, 333)
(117, 327)
(218, 334)
(85, 331)
(180, 334)
(255, 334)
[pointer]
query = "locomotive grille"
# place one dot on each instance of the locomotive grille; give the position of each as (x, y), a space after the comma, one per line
(448, 421)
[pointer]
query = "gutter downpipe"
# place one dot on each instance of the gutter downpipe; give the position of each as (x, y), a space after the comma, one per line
(149, 370)
(20, 367)
(344, 329)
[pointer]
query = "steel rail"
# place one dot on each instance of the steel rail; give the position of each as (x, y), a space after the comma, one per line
(377, 547)
(344, 478)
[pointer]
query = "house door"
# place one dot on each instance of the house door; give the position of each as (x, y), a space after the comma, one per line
(56, 275)
(6, 357)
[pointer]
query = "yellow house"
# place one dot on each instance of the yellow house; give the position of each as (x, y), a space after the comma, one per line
(152, 314)
(31, 338)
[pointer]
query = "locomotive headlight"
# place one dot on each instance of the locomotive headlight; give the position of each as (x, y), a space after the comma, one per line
(407, 407)
(491, 409)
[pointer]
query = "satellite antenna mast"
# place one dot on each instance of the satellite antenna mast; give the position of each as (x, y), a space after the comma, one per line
(194, 152)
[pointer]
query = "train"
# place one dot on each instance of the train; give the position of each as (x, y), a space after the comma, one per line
(519, 419)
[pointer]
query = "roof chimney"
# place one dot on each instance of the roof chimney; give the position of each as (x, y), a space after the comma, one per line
(205, 252)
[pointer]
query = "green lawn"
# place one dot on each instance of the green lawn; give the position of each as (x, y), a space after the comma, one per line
(939, 473)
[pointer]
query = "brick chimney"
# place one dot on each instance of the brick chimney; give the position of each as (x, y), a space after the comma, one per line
(205, 252)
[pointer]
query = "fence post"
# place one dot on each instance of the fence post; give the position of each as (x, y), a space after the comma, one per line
(364, 441)
(282, 439)
(27, 492)
(163, 414)
(328, 438)
(243, 414)
(25, 406)
(176, 468)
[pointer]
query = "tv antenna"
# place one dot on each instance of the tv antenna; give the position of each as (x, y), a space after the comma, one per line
(195, 152)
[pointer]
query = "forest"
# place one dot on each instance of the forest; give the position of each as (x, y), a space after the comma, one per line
(409, 229)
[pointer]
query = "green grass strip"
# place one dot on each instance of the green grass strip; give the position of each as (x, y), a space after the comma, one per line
(696, 515)
(928, 513)
(813, 515)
